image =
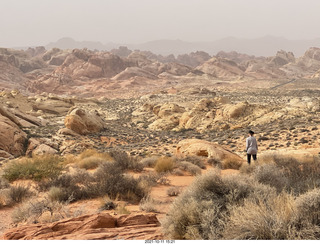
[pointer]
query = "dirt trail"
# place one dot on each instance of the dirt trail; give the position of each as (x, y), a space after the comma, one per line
(5, 219)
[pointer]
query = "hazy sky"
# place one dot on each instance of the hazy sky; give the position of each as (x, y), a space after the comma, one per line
(38, 22)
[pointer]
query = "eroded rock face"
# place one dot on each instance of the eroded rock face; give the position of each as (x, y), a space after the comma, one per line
(100, 226)
(207, 149)
(53, 105)
(12, 138)
(84, 122)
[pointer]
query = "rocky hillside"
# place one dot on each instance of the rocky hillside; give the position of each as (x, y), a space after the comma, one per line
(84, 72)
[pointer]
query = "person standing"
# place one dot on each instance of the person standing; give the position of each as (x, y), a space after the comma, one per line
(252, 147)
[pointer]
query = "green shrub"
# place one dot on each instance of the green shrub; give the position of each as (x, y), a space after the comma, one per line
(164, 164)
(37, 168)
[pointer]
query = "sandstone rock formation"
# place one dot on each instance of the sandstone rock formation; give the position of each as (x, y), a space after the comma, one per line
(102, 226)
(84, 122)
(12, 138)
(207, 149)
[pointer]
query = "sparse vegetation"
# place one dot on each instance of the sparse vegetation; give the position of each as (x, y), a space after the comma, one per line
(164, 164)
(173, 191)
(32, 211)
(148, 204)
(19, 193)
(37, 168)
(149, 162)
(189, 167)
(262, 202)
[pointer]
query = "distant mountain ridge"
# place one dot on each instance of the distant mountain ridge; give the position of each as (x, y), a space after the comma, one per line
(264, 46)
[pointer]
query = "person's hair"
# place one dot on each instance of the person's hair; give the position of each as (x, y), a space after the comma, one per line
(251, 132)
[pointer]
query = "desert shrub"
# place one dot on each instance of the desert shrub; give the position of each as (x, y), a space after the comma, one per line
(149, 179)
(149, 162)
(308, 207)
(164, 164)
(31, 211)
(302, 176)
(121, 209)
(247, 169)
(110, 180)
(271, 175)
(263, 220)
(196, 160)
(37, 168)
(88, 153)
(231, 163)
(148, 204)
(91, 162)
(189, 167)
(214, 162)
(173, 191)
(4, 183)
(18, 193)
(126, 162)
(202, 210)
(107, 204)
(68, 187)
(280, 217)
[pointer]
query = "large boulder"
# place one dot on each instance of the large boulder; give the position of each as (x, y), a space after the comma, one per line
(12, 138)
(208, 149)
(102, 226)
(84, 122)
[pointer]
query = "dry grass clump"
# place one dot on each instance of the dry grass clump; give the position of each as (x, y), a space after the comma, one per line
(286, 173)
(231, 163)
(262, 220)
(37, 211)
(88, 159)
(18, 193)
(91, 162)
(37, 168)
(125, 162)
(272, 175)
(164, 164)
(189, 167)
(149, 162)
(279, 218)
(196, 160)
(148, 204)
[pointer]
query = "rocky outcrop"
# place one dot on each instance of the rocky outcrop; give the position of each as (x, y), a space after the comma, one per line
(102, 226)
(221, 68)
(84, 122)
(208, 149)
(53, 105)
(12, 138)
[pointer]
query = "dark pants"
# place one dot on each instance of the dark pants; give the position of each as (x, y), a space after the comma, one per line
(254, 156)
